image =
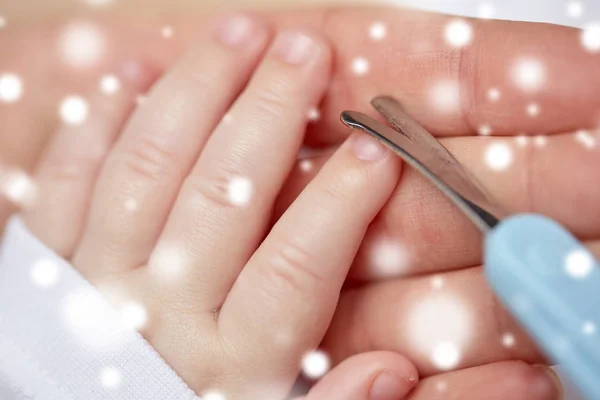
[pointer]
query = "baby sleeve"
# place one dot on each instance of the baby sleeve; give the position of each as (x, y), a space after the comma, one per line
(61, 340)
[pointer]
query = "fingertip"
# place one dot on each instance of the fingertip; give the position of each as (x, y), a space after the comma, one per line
(393, 363)
(138, 74)
(367, 148)
(389, 386)
(379, 375)
(545, 383)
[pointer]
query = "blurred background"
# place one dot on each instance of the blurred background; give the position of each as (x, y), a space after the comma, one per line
(567, 12)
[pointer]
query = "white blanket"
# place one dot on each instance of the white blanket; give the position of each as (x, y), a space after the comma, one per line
(59, 338)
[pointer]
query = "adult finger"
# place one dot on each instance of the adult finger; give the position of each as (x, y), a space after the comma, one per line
(292, 282)
(513, 380)
(507, 69)
(409, 57)
(379, 375)
(440, 322)
(420, 231)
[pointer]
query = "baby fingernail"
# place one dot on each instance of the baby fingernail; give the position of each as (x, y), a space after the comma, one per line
(388, 387)
(294, 47)
(368, 149)
(235, 30)
(136, 73)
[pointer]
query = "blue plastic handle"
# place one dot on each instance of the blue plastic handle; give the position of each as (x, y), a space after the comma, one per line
(551, 284)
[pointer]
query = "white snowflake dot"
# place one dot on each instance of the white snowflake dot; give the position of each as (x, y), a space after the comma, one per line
(459, 33)
(99, 3)
(522, 140)
(533, 110)
(438, 324)
(82, 44)
(44, 273)
(508, 340)
(389, 258)
(541, 141)
(444, 97)
(18, 187)
(586, 139)
(529, 74)
(131, 205)
(240, 191)
(485, 130)
(313, 114)
(486, 10)
(315, 364)
(110, 84)
(499, 156)
(169, 262)
(227, 118)
(446, 356)
(437, 282)
(74, 110)
(11, 88)
(590, 38)
(110, 377)
(134, 316)
(90, 319)
(579, 264)
(377, 31)
(589, 328)
(493, 95)
(360, 66)
(574, 9)
(167, 31)
(306, 165)
(213, 395)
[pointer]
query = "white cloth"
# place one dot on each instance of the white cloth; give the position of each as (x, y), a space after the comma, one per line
(59, 338)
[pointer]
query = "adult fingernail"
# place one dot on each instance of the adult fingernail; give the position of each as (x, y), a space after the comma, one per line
(235, 30)
(295, 47)
(388, 387)
(550, 386)
(368, 149)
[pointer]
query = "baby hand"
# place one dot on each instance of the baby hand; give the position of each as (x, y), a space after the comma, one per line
(174, 213)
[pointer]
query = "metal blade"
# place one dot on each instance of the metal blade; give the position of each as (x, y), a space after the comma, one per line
(423, 152)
